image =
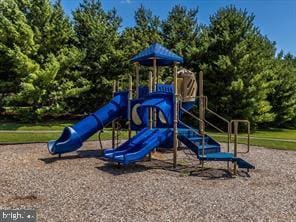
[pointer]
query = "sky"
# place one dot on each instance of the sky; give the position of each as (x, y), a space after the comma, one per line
(275, 18)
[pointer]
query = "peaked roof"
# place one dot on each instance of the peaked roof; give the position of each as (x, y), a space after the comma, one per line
(164, 57)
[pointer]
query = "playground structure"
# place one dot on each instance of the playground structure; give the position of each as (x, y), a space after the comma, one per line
(156, 115)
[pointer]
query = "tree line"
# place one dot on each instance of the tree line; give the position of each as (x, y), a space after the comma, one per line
(51, 64)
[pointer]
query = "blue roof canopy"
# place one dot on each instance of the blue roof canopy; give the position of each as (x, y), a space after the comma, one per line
(164, 57)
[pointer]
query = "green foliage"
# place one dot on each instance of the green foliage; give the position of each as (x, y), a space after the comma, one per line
(283, 94)
(180, 30)
(180, 34)
(144, 33)
(39, 57)
(236, 60)
(98, 38)
(50, 65)
(15, 34)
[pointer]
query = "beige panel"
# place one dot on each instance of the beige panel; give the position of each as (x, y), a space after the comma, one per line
(135, 116)
(187, 85)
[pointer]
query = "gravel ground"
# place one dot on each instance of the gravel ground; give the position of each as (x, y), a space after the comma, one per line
(85, 188)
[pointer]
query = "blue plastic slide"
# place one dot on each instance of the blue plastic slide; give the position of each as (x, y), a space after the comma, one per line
(73, 137)
(139, 146)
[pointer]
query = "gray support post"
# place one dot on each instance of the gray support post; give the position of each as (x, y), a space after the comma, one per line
(235, 146)
(113, 121)
(201, 103)
(130, 97)
(150, 90)
(137, 80)
(201, 114)
(175, 139)
(154, 89)
(150, 110)
(118, 84)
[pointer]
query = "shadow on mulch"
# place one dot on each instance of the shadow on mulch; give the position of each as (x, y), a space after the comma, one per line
(145, 165)
(80, 154)
(181, 170)
(116, 169)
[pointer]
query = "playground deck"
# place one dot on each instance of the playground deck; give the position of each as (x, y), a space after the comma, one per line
(89, 189)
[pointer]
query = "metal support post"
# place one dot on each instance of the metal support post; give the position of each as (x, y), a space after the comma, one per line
(130, 97)
(113, 121)
(175, 116)
(150, 110)
(201, 114)
(154, 90)
(137, 80)
(235, 146)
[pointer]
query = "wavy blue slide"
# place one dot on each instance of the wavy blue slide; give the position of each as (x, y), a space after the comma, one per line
(139, 146)
(73, 137)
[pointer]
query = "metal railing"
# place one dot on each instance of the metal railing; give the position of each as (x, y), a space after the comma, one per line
(195, 131)
(228, 133)
(235, 124)
(232, 127)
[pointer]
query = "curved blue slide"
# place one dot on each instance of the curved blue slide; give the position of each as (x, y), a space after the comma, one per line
(73, 137)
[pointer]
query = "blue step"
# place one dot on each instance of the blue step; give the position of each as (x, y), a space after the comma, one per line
(195, 146)
(186, 132)
(223, 156)
(219, 156)
(244, 164)
(211, 150)
(196, 139)
(207, 149)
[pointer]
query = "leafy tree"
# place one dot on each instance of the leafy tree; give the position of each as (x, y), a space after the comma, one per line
(145, 32)
(98, 38)
(15, 34)
(44, 62)
(180, 30)
(236, 60)
(283, 94)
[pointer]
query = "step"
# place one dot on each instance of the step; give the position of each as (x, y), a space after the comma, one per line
(196, 139)
(207, 149)
(186, 132)
(219, 156)
(244, 164)
(224, 156)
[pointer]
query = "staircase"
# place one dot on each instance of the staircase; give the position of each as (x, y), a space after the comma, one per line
(212, 149)
(193, 141)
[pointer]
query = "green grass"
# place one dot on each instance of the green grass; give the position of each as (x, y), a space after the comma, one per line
(276, 133)
(46, 126)
(42, 134)
(265, 138)
(261, 142)
(13, 137)
(259, 138)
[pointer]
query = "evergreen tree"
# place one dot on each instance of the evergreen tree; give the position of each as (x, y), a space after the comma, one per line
(145, 32)
(98, 37)
(15, 34)
(283, 94)
(44, 66)
(180, 30)
(236, 60)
